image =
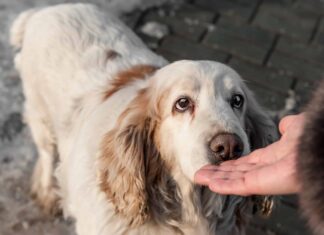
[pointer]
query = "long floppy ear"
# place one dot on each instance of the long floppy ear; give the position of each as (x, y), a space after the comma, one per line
(261, 131)
(259, 126)
(122, 162)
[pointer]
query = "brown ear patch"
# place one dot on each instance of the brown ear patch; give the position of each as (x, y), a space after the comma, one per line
(132, 172)
(122, 177)
(125, 77)
(122, 162)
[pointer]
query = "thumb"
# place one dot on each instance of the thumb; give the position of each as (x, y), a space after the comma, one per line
(287, 121)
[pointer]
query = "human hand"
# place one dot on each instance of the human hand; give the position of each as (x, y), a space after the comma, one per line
(270, 170)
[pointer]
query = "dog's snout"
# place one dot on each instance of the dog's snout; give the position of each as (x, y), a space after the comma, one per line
(226, 146)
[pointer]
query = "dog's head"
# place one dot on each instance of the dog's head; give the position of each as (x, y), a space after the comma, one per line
(189, 114)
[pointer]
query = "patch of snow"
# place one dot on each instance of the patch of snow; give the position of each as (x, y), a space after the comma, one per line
(155, 29)
(290, 107)
(211, 27)
(291, 102)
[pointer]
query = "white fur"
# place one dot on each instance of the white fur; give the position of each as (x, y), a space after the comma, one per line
(64, 72)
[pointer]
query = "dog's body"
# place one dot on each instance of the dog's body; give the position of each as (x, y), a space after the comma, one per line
(100, 99)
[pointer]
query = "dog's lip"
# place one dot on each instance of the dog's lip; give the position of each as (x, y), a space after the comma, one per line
(213, 160)
(212, 165)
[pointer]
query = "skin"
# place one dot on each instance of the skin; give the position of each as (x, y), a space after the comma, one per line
(266, 171)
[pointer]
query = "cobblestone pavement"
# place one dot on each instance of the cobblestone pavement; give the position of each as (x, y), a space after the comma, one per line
(276, 45)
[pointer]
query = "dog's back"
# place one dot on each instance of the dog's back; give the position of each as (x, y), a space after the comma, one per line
(70, 50)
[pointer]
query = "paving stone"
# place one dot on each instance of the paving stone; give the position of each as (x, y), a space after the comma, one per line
(246, 2)
(284, 21)
(168, 55)
(285, 3)
(284, 220)
(267, 78)
(304, 90)
(190, 50)
(312, 54)
(245, 31)
(191, 12)
(268, 99)
(177, 26)
(222, 40)
(242, 9)
(296, 67)
(319, 38)
(315, 7)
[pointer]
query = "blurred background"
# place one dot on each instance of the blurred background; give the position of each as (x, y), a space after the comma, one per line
(276, 45)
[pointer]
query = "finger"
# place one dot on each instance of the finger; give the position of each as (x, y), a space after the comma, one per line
(243, 167)
(252, 158)
(226, 175)
(285, 122)
(230, 166)
(276, 178)
(203, 176)
(209, 167)
(289, 120)
(243, 185)
(229, 186)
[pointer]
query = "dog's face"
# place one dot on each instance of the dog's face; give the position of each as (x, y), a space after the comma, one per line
(202, 108)
(189, 114)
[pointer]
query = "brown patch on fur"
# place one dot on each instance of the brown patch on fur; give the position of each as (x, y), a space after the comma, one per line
(121, 161)
(125, 77)
(132, 172)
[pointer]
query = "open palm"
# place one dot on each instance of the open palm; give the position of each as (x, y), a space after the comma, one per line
(269, 170)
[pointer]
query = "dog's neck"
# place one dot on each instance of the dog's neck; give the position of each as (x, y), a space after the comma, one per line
(191, 207)
(189, 199)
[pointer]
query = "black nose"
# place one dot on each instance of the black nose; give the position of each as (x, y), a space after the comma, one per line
(226, 146)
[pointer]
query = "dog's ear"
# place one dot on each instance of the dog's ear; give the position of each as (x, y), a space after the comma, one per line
(122, 162)
(259, 126)
(261, 131)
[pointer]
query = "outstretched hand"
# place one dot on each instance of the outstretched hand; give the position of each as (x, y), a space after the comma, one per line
(270, 170)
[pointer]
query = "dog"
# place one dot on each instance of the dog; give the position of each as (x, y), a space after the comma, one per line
(120, 132)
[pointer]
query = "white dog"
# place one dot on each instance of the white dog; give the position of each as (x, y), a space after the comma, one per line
(129, 130)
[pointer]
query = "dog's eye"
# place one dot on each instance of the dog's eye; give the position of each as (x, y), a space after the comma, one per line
(237, 101)
(183, 104)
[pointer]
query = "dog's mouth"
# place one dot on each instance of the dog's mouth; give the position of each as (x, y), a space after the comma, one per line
(216, 159)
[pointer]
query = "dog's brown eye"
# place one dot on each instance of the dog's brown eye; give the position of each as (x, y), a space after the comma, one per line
(183, 104)
(237, 101)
